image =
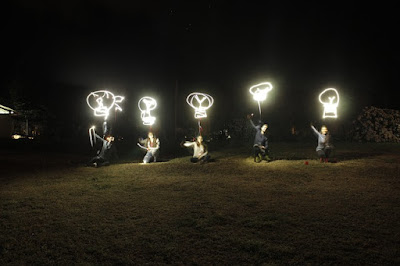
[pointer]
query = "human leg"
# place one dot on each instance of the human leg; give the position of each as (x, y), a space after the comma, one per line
(93, 161)
(257, 154)
(321, 155)
(266, 155)
(328, 152)
(155, 155)
(147, 157)
(194, 160)
(205, 159)
(103, 163)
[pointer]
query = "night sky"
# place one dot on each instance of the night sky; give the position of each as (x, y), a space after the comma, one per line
(137, 48)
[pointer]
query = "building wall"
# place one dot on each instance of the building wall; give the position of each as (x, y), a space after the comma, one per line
(6, 126)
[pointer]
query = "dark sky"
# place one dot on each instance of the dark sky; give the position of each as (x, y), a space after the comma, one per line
(220, 47)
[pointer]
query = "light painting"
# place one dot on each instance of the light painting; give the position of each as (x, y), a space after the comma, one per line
(200, 102)
(260, 92)
(102, 101)
(146, 105)
(330, 101)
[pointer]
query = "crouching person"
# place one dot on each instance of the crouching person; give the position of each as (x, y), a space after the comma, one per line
(152, 146)
(106, 153)
(324, 147)
(260, 146)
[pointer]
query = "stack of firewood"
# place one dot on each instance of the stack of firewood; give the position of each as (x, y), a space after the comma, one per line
(377, 125)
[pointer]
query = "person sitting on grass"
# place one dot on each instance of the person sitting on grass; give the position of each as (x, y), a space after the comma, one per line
(152, 146)
(106, 153)
(200, 151)
(324, 147)
(260, 146)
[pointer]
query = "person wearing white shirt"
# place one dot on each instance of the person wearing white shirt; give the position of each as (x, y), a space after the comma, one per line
(200, 152)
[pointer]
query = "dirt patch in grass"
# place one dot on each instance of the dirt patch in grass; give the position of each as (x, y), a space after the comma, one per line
(230, 211)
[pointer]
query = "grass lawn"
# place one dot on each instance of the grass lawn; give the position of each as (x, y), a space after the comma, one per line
(54, 210)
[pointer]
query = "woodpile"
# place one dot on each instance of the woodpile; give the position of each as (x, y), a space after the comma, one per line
(377, 125)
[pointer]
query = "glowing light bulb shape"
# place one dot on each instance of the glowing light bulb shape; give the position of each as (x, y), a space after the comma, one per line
(200, 102)
(260, 91)
(102, 101)
(147, 104)
(330, 101)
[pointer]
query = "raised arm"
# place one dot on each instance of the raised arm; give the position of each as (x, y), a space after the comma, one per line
(254, 126)
(98, 137)
(315, 130)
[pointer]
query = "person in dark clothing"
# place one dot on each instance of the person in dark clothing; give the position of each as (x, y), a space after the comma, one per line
(105, 154)
(260, 146)
(324, 147)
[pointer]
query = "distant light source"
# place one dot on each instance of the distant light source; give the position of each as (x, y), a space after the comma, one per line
(200, 102)
(330, 101)
(102, 101)
(260, 92)
(16, 136)
(147, 104)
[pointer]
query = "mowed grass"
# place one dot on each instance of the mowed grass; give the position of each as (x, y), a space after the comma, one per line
(227, 212)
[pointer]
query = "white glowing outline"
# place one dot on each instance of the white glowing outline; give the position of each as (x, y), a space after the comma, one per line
(330, 108)
(200, 110)
(150, 104)
(102, 109)
(259, 93)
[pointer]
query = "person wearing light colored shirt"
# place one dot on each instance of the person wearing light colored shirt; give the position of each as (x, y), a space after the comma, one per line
(152, 146)
(324, 147)
(200, 152)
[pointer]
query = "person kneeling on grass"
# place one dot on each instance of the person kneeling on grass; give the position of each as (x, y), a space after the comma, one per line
(260, 146)
(200, 151)
(152, 146)
(324, 147)
(105, 154)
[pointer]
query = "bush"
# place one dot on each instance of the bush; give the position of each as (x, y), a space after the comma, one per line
(377, 125)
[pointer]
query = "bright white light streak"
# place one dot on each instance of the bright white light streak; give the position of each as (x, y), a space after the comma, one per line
(260, 92)
(200, 102)
(92, 135)
(147, 104)
(330, 107)
(102, 101)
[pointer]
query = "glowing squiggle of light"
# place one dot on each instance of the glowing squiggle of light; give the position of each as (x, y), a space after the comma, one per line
(202, 103)
(146, 104)
(260, 91)
(102, 101)
(330, 108)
